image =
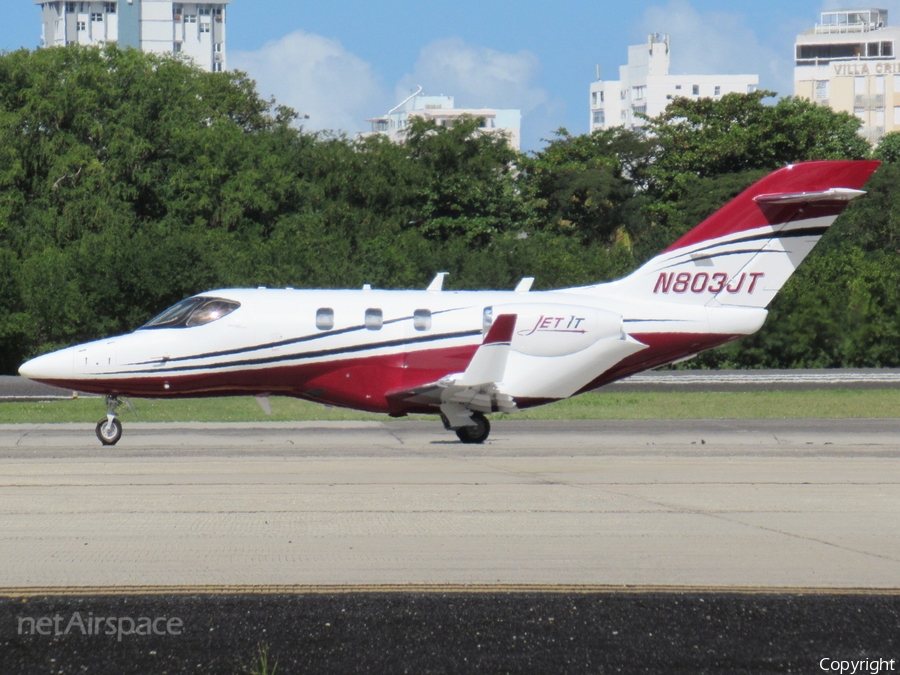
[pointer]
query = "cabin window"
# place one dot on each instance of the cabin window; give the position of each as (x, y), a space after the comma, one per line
(325, 318)
(374, 319)
(422, 319)
(487, 319)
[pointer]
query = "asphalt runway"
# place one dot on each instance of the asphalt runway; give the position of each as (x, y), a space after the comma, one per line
(566, 547)
(701, 504)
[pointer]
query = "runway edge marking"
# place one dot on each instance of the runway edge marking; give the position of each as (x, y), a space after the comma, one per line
(337, 589)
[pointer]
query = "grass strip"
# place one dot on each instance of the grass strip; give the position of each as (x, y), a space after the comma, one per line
(827, 404)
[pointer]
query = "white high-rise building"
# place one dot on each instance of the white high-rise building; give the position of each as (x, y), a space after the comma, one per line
(645, 86)
(194, 29)
(847, 62)
(441, 110)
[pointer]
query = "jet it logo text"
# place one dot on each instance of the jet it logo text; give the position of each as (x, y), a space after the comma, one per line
(556, 324)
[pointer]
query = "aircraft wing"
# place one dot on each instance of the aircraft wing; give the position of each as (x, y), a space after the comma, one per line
(477, 387)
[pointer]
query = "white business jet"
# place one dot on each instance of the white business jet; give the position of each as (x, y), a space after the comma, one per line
(462, 354)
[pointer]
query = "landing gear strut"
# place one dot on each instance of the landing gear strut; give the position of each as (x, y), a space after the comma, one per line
(477, 432)
(109, 430)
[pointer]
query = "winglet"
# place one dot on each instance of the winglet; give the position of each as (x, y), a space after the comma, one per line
(501, 330)
(489, 362)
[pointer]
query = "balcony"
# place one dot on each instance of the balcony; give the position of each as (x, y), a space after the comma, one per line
(868, 101)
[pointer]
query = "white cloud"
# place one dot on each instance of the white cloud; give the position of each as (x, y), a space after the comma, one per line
(709, 43)
(317, 77)
(477, 77)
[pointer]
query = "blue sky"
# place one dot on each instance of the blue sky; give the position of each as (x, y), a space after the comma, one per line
(345, 60)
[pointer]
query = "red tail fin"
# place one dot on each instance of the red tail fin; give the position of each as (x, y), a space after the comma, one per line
(743, 253)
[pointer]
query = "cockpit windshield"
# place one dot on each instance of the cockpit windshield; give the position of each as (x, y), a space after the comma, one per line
(193, 312)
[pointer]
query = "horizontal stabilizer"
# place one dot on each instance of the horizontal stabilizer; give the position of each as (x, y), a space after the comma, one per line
(832, 195)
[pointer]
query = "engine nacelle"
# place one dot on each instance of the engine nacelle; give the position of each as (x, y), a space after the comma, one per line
(558, 349)
(559, 330)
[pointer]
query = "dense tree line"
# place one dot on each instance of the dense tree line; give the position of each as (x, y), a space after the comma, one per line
(129, 181)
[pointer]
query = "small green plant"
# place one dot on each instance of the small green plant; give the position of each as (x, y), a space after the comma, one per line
(262, 666)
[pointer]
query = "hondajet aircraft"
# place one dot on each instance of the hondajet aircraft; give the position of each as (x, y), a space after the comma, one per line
(461, 354)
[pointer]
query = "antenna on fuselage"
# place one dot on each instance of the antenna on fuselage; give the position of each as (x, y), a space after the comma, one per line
(437, 283)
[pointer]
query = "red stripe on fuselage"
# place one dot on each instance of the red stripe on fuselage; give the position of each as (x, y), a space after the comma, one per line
(361, 383)
(663, 348)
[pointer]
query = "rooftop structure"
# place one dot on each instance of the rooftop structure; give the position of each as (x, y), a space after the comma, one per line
(194, 29)
(442, 111)
(645, 86)
(846, 62)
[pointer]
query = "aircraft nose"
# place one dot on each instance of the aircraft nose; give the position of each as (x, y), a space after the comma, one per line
(58, 365)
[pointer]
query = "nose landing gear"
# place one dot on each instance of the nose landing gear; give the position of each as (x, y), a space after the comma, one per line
(109, 430)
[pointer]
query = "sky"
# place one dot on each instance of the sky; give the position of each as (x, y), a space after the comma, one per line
(344, 61)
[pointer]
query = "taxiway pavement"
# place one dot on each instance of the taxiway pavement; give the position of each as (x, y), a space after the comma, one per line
(720, 503)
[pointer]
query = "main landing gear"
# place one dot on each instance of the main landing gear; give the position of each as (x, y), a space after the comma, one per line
(109, 429)
(476, 432)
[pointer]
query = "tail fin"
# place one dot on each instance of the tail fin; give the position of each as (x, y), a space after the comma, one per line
(744, 253)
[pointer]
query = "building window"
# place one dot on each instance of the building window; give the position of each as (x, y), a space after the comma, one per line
(822, 87)
(601, 97)
(325, 318)
(190, 18)
(374, 319)
(640, 109)
(422, 319)
(695, 90)
(599, 118)
(81, 26)
(717, 91)
(677, 87)
(176, 48)
(70, 7)
(110, 7)
(887, 48)
(204, 27)
(218, 48)
(203, 10)
(217, 67)
(593, 98)
(751, 88)
(639, 92)
(96, 17)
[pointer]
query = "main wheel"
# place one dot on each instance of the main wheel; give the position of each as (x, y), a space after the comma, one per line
(477, 432)
(109, 434)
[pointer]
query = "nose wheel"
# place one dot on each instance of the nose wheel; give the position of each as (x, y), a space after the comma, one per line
(109, 429)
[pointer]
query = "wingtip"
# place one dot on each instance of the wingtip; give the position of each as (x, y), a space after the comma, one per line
(501, 330)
